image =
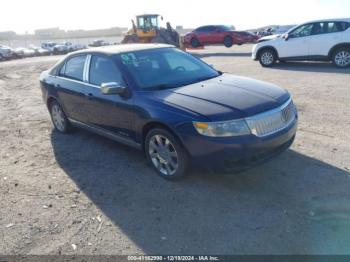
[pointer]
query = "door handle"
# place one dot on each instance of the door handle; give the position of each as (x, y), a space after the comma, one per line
(57, 85)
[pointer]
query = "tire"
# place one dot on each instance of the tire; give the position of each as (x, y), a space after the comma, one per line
(341, 57)
(228, 41)
(59, 118)
(166, 154)
(195, 43)
(267, 57)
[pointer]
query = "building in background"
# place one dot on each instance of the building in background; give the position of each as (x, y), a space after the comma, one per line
(49, 32)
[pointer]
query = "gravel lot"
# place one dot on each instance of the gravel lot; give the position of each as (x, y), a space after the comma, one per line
(83, 194)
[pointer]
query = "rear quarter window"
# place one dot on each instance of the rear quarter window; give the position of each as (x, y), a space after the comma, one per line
(344, 26)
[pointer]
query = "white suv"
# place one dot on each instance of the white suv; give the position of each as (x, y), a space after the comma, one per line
(324, 40)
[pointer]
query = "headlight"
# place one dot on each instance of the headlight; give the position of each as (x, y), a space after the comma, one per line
(222, 129)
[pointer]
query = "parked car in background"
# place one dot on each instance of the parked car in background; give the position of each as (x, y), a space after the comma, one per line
(73, 47)
(5, 52)
(17, 53)
(173, 106)
(24, 52)
(60, 48)
(322, 40)
(211, 35)
(265, 32)
(48, 46)
(244, 37)
(97, 43)
(39, 51)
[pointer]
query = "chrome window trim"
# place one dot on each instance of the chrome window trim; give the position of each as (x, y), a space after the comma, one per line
(87, 68)
(77, 81)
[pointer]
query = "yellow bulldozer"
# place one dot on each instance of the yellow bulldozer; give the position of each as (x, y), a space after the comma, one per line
(148, 30)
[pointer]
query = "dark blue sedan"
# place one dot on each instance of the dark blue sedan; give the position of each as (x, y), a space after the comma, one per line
(172, 105)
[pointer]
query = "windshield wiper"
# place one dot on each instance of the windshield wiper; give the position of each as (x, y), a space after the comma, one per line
(160, 86)
(201, 79)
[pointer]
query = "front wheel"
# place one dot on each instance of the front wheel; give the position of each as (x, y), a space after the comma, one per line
(341, 57)
(267, 57)
(166, 154)
(59, 118)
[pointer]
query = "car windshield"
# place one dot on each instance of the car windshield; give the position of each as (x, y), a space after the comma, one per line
(163, 68)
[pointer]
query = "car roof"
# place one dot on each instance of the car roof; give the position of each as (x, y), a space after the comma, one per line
(330, 20)
(148, 15)
(211, 25)
(122, 48)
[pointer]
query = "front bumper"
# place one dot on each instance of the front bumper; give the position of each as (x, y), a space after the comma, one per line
(237, 153)
(7, 55)
(254, 52)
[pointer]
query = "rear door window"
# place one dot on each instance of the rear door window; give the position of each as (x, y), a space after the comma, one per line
(74, 68)
(334, 27)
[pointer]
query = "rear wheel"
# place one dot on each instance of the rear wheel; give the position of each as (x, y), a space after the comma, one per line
(166, 154)
(1, 57)
(341, 57)
(59, 118)
(228, 41)
(267, 57)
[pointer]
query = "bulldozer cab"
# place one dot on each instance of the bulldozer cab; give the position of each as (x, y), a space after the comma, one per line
(147, 25)
(147, 22)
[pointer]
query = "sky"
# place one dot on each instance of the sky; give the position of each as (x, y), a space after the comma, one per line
(28, 15)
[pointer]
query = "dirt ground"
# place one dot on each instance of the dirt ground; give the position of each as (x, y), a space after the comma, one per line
(84, 194)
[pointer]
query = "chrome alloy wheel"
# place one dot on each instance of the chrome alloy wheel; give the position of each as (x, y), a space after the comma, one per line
(58, 117)
(267, 58)
(342, 58)
(163, 155)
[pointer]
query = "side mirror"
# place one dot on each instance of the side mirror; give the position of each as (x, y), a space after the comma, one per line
(285, 37)
(112, 88)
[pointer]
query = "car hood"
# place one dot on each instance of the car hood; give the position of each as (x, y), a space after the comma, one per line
(225, 97)
(268, 38)
(5, 49)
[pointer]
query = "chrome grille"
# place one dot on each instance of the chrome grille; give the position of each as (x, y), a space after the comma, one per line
(272, 121)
